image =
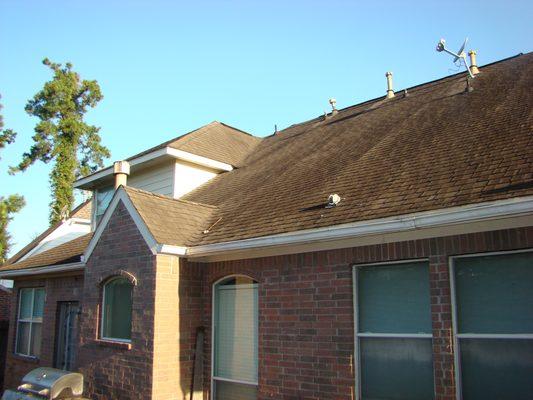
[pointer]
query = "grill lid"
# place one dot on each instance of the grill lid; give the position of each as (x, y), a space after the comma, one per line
(50, 382)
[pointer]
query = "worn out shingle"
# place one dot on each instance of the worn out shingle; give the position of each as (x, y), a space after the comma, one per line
(438, 147)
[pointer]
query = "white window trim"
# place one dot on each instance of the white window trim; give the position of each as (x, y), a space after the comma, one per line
(213, 332)
(357, 334)
(31, 320)
(457, 335)
(102, 337)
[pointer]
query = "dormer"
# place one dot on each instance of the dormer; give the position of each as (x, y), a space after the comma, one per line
(176, 167)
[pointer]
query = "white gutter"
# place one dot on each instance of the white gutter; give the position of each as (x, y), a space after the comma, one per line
(42, 270)
(409, 222)
(164, 152)
(520, 208)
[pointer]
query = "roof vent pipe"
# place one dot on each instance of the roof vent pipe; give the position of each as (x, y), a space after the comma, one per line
(121, 170)
(390, 92)
(473, 62)
(333, 104)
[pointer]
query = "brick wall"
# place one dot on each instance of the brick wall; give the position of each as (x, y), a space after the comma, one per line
(178, 308)
(116, 371)
(65, 288)
(306, 337)
(5, 301)
(306, 331)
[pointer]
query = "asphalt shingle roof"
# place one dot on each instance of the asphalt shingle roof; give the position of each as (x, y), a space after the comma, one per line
(441, 146)
(438, 147)
(82, 211)
(172, 221)
(65, 253)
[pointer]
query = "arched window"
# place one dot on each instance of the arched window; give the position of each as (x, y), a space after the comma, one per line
(235, 333)
(116, 309)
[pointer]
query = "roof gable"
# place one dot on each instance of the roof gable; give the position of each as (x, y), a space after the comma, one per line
(161, 220)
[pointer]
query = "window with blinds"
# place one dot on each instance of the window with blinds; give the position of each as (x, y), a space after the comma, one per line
(30, 321)
(393, 331)
(116, 309)
(493, 326)
(235, 332)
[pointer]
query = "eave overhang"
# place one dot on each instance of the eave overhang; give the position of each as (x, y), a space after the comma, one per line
(156, 156)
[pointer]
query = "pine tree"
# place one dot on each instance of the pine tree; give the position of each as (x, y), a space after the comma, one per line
(10, 205)
(62, 136)
(6, 136)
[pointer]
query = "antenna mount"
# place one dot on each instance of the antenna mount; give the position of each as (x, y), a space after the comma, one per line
(460, 55)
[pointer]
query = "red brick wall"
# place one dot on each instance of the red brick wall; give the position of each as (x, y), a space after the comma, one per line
(5, 301)
(177, 315)
(67, 288)
(306, 331)
(117, 371)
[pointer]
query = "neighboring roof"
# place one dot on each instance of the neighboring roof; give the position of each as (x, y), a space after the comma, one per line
(66, 253)
(172, 221)
(436, 148)
(82, 211)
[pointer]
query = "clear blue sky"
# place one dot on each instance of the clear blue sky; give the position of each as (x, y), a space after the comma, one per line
(167, 67)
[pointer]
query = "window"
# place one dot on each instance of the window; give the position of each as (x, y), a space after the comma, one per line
(29, 322)
(235, 332)
(393, 331)
(493, 325)
(103, 198)
(116, 309)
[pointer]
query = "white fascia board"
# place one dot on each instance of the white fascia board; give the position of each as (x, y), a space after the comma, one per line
(164, 152)
(468, 214)
(42, 270)
(121, 196)
(194, 159)
(169, 249)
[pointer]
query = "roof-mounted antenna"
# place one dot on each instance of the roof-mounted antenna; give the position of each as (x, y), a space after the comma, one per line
(460, 55)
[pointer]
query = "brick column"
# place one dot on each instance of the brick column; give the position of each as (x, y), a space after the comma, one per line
(441, 317)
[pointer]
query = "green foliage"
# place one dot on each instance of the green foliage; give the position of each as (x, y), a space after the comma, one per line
(8, 207)
(6, 136)
(62, 136)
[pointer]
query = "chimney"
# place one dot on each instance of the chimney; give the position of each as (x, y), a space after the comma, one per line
(390, 92)
(473, 62)
(121, 169)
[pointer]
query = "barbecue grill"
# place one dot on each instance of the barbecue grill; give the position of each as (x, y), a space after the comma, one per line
(49, 384)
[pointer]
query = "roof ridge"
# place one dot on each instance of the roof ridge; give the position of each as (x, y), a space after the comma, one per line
(162, 196)
(238, 130)
(376, 99)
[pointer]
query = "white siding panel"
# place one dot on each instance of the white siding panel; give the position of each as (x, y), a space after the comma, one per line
(189, 176)
(158, 179)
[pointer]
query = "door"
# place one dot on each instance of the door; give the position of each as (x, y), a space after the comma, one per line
(67, 335)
